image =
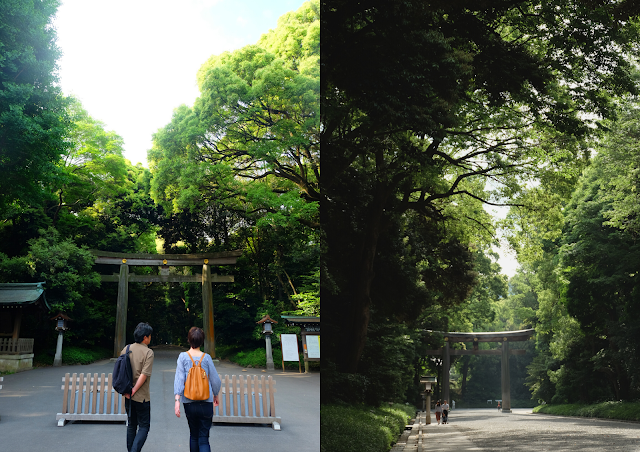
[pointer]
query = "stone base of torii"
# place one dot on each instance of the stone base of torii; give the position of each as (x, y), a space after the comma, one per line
(124, 260)
(503, 337)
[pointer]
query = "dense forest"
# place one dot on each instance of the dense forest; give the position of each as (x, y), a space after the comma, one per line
(433, 112)
(428, 114)
(238, 170)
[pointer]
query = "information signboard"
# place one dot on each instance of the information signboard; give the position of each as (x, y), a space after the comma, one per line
(289, 347)
(313, 345)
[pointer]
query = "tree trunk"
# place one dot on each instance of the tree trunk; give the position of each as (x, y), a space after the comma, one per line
(465, 370)
(360, 302)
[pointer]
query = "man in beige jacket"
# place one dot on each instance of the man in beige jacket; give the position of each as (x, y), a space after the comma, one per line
(138, 405)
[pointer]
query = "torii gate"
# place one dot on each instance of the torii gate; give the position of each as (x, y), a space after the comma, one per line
(498, 336)
(165, 260)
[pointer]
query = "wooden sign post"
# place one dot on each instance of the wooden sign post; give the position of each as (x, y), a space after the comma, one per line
(289, 343)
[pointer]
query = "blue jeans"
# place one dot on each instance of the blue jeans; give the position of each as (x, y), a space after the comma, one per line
(199, 416)
(139, 419)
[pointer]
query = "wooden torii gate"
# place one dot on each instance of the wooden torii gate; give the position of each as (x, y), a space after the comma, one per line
(503, 337)
(164, 261)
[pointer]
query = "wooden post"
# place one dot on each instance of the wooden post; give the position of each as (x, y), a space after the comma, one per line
(121, 310)
(207, 312)
(506, 384)
(17, 320)
(446, 363)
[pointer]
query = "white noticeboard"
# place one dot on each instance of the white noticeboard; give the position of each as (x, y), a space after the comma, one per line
(313, 346)
(289, 347)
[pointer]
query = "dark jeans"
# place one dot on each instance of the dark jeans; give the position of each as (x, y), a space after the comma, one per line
(199, 416)
(138, 418)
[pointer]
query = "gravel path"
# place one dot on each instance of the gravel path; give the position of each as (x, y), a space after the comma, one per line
(488, 429)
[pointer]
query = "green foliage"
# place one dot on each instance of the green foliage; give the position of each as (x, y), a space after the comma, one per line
(389, 364)
(627, 411)
(93, 168)
(73, 355)
(258, 358)
(251, 140)
(296, 39)
(33, 120)
(362, 428)
(582, 266)
(66, 269)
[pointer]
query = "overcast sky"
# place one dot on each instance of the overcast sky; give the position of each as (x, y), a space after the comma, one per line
(132, 62)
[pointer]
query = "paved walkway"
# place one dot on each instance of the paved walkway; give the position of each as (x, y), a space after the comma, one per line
(424, 437)
(29, 402)
(520, 431)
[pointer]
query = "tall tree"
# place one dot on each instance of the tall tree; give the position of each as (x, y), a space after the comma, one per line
(32, 109)
(256, 120)
(93, 166)
(420, 99)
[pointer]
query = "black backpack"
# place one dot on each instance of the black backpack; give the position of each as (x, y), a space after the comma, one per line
(122, 374)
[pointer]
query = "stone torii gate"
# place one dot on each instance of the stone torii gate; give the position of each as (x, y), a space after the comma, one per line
(503, 337)
(164, 261)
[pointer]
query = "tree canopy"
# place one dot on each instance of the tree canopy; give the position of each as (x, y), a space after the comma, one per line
(431, 109)
(33, 115)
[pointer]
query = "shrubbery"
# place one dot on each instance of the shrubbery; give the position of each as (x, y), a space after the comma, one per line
(362, 428)
(258, 358)
(628, 411)
(74, 355)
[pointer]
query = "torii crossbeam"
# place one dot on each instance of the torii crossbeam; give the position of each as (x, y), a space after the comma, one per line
(503, 337)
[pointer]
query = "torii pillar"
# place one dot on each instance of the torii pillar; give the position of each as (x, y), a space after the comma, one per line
(207, 311)
(506, 383)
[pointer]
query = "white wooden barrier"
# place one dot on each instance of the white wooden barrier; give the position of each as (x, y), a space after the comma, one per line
(247, 400)
(90, 398)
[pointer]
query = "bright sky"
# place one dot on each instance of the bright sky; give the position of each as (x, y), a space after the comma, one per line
(507, 260)
(132, 62)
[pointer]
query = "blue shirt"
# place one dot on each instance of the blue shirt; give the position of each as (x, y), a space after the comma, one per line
(182, 369)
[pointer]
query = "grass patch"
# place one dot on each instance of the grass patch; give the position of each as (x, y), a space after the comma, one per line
(626, 411)
(348, 428)
(73, 355)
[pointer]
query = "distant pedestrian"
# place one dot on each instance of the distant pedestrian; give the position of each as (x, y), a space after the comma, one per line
(199, 412)
(438, 411)
(445, 412)
(499, 407)
(138, 405)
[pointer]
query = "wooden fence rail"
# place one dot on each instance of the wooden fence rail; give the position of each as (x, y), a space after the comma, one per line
(90, 398)
(247, 400)
(21, 346)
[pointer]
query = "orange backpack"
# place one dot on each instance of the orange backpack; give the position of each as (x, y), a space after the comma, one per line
(196, 386)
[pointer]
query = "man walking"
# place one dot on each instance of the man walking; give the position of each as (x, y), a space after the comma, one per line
(138, 405)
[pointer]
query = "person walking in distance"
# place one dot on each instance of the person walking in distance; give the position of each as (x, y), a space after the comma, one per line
(199, 412)
(138, 404)
(438, 411)
(445, 412)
